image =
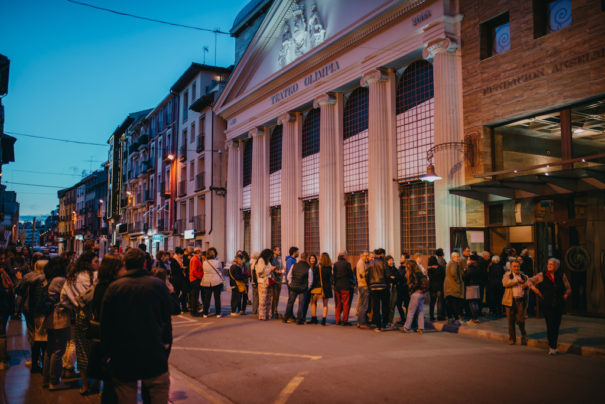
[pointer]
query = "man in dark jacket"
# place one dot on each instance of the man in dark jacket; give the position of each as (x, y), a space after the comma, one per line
(136, 332)
(377, 282)
(343, 283)
(300, 279)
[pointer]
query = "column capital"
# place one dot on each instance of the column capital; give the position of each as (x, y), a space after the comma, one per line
(440, 45)
(258, 131)
(373, 76)
(286, 117)
(324, 99)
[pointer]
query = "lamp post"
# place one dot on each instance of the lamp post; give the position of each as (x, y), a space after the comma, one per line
(465, 146)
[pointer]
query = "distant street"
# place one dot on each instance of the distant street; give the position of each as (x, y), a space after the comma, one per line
(243, 360)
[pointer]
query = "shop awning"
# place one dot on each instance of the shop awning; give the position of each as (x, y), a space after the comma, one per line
(575, 180)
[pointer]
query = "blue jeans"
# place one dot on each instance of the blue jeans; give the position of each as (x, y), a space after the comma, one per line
(416, 307)
(362, 317)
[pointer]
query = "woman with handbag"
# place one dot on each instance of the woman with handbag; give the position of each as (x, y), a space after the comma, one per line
(263, 270)
(322, 287)
(212, 282)
(472, 282)
(77, 294)
(239, 295)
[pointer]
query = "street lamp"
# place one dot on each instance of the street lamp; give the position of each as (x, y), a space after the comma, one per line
(465, 146)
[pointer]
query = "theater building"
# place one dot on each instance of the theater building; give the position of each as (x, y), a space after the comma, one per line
(534, 93)
(332, 113)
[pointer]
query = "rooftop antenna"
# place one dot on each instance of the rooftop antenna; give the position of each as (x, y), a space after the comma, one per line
(205, 50)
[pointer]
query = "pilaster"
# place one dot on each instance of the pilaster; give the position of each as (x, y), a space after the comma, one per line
(233, 218)
(260, 218)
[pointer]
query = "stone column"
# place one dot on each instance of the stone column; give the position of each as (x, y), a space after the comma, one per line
(234, 228)
(329, 193)
(292, 218)
(260, 218)
(383, 211)
(449, 162)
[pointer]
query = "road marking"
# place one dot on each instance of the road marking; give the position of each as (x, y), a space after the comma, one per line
(290, 388)
(180, 337)
(237, 351)
(199, 388)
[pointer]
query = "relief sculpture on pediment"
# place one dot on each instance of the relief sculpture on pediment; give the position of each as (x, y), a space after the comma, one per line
(298, 35)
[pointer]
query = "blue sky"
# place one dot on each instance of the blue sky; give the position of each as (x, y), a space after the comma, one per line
(77, 72)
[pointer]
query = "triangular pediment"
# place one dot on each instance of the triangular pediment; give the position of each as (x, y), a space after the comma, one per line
(291, 32)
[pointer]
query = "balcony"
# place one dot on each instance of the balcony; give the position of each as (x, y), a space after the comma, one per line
(139, 198)
(180, 226)
(200, 182)
(182, 188)
(162, 224)
(199, 145)
(149, 196)
(165, 188)
(143, 141)
(183, 152)
(145, 227)
(199, 224)
(147, 166)
(133, 148)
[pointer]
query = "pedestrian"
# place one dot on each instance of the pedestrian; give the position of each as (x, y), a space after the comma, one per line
(300, 280)
(148, 258)
(136, 332)
(322, 285)
(363, 298)
(275, 282)
(6, 308)
(35, 287)
(312, 260)
(111, 268)
(291, 258)
(58, 323)
(405, 292)
(417, 284)
(247, 273)
(378, 283)
(495, 290)
(436, 275)
(177, 278)
(196, 273)
(77, 294)
(342, 276)
(263, 270)
(515, 291)
(212, 282)
(472, 283)
(454, 289)
(239, 297)
(553, 289)
(396, 292)
(254, 281)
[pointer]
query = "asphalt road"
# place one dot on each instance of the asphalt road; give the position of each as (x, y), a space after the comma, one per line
(243, 360)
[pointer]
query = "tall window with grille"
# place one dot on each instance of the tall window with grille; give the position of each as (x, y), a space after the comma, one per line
(247, 234)
(246, 173)
(310, 154)
(275, 166)
(415, 135)
(311, 233)
(355, 136)
(275, 226)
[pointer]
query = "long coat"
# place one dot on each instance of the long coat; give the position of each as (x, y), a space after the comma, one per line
(453, 285)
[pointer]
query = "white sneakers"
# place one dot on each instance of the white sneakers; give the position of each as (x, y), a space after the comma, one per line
(552, 351)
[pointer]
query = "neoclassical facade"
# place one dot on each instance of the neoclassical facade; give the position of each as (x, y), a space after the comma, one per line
(330, 114)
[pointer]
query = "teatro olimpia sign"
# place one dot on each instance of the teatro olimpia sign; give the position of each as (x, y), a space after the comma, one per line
(298, 35)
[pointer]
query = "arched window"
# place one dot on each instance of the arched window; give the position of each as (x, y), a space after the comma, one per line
(246, 173)
(310, 154)
(355, 142)
(275, 154)
(415, 136)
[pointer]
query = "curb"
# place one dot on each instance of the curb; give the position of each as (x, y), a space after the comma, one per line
(496, 336)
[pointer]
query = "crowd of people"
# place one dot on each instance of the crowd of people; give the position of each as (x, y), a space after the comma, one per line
(112, 317)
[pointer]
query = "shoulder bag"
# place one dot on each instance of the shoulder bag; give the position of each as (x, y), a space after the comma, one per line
(320, 290)
(241, 287)
(219, 275)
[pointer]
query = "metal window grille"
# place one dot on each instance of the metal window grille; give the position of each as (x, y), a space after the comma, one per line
(417, 217)
(356, 206)
(247, 233)
(310, 154)
(311, 214)
(355, 134)
(275, 188)
(275, 150)
(247, 163)
(415, 123)
(276, 226)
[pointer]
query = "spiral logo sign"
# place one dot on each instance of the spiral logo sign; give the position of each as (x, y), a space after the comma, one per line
(502, 38)
(560, 14)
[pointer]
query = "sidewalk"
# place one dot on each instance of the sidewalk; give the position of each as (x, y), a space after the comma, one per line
(18, 385)
(579, 335)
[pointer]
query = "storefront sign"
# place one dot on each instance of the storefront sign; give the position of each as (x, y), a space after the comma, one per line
(544, 71)
(189, 234)
(314, 77)
(157, 238)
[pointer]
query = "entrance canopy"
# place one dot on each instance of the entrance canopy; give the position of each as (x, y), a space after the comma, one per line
(574, 180)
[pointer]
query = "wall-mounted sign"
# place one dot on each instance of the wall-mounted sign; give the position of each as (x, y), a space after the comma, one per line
(309, 79)
(79, 237)
(189, 234)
